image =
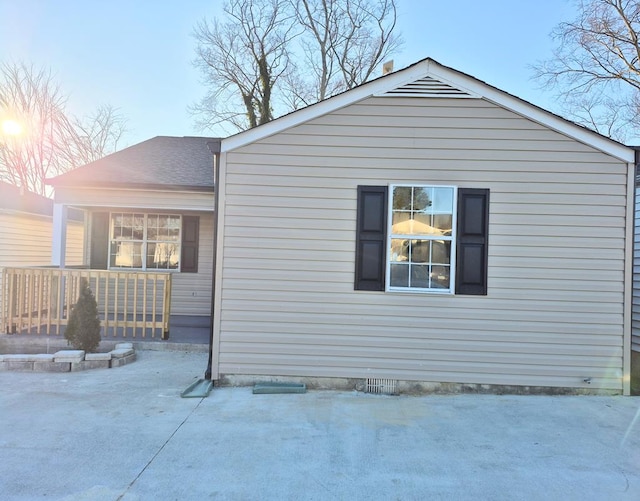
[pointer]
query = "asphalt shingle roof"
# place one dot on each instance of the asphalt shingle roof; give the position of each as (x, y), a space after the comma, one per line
(163, 161)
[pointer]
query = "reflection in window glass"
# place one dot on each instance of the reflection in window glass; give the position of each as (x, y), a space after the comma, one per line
(421, 238)
(145, 241)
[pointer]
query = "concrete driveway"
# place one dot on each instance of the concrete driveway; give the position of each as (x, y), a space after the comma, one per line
(124, 433)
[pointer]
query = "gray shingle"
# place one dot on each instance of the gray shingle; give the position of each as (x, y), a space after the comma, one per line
(165, 162)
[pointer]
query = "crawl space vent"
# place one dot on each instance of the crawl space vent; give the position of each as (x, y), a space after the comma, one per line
(381, 386)
(426, 87)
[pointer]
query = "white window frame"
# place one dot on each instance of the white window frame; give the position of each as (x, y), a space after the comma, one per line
(145, 241)
(452, 239)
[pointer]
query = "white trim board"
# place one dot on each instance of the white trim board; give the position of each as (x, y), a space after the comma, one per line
(431, 68)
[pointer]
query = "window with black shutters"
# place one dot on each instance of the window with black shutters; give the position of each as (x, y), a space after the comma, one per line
(422, 238)
(144, 241)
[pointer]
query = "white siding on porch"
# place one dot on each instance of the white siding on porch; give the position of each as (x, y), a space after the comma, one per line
(135, 199)
(26, 241)
(192, 291)
(553, 315)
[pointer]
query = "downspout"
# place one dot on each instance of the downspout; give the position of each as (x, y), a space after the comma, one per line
(214, 147)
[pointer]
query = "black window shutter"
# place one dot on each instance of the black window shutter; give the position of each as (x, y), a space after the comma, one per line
(99, 258)
(371, 238)
(190, 237)
(472, 249)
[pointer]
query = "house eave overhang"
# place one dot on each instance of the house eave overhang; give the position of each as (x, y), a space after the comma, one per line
(136, 187)
(428, 67)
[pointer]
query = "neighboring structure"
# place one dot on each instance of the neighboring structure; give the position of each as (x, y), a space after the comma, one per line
(26, 230)
(425, 227)
(150, 208)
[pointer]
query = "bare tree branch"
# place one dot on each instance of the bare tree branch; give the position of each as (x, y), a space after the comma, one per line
(596, 67)
(242, 60)
(270, 57)
(53, 141)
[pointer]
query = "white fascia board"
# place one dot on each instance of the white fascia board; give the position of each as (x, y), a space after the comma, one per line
(533, 112)
(321, 108)
(429, 67)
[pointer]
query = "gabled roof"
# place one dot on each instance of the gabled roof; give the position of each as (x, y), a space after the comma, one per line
(163, 162)
(14, 199)
(427, 79)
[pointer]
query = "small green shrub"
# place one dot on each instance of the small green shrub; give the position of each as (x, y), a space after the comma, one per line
(83, 329)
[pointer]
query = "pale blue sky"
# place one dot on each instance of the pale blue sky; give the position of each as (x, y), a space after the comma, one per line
(137, 54)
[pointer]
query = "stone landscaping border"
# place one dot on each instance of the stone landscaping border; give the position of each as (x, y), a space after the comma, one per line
(69, 360)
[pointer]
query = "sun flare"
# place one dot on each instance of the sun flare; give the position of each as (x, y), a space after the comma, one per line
(11, 128)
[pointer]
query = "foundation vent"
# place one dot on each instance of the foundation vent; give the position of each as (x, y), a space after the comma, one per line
(381, 386)
(426, 87)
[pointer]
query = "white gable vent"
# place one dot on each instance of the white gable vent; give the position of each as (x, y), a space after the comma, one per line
(426, 87)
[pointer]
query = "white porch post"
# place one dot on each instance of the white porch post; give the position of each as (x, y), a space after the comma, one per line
(59, 240)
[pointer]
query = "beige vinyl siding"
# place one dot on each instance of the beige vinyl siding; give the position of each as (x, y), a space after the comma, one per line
(191, 293)
(27, 239)
(553, 315)
(74, 253)
(635, 324)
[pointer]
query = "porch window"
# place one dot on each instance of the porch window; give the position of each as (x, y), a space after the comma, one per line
(421, 240)
(145, 241)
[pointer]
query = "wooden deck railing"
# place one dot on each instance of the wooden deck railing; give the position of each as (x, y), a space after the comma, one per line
(39, 300)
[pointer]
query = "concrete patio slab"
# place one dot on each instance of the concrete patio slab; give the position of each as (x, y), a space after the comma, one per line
(127, 435)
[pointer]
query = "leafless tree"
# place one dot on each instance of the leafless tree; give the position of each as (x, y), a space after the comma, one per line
(52, 140)
(343, 42)
(242, 60)
(596, 67)
(95, 135)
(270, 57)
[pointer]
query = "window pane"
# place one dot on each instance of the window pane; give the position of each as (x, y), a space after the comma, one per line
(402, 198)
(152, 227)
(443, 222)
(126, 254)
(164, 256)
(423, 224)
(116, 227)
(399, 275)
(441, 252)
(440, 277)
(173, 228)
(138, 227)
(397, 218)
(399, 249)
(443, 200)
(422, 199)
(420, 276)
(127, 226)
(420, 251)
